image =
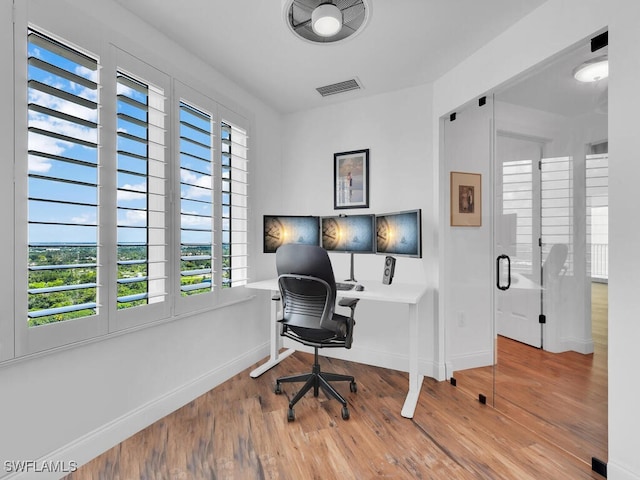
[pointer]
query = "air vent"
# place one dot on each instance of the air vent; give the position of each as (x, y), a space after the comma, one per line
(339, 87)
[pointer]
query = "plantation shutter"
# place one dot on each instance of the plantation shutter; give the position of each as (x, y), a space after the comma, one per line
(557, 205)
(62, 181)
(196, 200)
(141, 190)
(234, 167)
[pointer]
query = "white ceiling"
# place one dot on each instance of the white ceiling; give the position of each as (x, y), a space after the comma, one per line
(406, 43)
(551, 87)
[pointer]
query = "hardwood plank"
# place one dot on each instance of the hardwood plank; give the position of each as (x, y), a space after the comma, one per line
(239, 431)
(561, 396)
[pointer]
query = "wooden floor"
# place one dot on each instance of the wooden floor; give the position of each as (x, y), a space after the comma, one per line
(239, 430)
(563, 397)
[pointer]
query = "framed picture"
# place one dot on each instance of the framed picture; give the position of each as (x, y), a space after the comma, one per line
(351, 179)
(466, 199)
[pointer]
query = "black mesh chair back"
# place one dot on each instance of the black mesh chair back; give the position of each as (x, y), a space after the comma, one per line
(308, 289)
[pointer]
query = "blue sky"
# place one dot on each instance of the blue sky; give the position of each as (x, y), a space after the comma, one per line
(83, 215)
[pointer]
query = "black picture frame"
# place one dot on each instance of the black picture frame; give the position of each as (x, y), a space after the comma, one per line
(351, 179)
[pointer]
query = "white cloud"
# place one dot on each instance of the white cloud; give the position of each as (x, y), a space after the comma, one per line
(135, 218)
(128, 195)
(39, 164)
(85, 219)
(188, 221)
(203, 181)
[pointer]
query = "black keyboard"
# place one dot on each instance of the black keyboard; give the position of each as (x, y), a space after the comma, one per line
(344, 286)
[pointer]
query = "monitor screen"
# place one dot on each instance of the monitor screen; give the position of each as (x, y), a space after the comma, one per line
(349, 233)
(399, 233)
(281, 229)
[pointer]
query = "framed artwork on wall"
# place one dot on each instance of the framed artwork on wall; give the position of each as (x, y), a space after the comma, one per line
(351, 179)
(466, 199)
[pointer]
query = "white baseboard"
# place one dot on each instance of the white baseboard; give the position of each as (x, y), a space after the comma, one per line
(570, 345)
(578, 345)
(89, 446)
(471, 360)
(617, 472)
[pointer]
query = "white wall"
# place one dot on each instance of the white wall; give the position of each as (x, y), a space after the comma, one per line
(624, 238)
(72, 404)
(466, 147)
(396, 128)
(554, 26)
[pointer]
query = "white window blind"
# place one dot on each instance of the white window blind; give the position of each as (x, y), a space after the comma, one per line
(517, 194)
(196, 200)
(62, 181)
(597, 181)
(141, 190)
(556, 180)
(234, 167)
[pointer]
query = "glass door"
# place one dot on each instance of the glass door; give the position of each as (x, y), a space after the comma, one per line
(549, 181)
(522, 334)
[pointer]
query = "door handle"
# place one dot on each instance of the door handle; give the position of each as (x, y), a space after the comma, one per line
(499, 260)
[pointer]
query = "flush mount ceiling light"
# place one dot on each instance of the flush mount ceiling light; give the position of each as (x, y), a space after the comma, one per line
(592, 70)
(326, 20)
(322, 21)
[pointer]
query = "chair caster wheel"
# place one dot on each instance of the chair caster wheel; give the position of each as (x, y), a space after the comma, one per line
(278, 389)
(291, 416)
(353, 386)
(345, 413)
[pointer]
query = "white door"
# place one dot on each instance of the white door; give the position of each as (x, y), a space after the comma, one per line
(517, 233)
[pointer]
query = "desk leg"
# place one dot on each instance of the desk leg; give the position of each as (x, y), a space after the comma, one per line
(275, 344)
(415, 379)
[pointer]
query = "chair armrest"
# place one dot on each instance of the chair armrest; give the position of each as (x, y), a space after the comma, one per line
(348, 302)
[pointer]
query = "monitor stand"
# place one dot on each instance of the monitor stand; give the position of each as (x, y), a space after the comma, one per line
(351, 275)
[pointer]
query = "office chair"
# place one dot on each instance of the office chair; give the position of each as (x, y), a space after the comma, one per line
(308, 293)
(554, 265)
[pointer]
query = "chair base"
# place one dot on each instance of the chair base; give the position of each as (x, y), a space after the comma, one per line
(317, 380)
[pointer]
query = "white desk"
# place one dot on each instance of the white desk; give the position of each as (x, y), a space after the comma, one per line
(409, 294)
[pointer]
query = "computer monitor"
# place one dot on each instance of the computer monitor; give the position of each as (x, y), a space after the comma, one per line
(281, 229)
(399, 233)
(349, 233)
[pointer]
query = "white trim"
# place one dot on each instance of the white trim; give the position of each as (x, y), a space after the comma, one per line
(618, 472)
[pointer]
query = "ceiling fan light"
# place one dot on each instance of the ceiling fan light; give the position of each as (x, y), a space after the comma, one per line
(326, 20)
(593, 70)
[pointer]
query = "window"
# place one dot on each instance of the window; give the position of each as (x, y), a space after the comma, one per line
(62, 182)
(556, 180)
(517, 187)
(103, 226)
(141, 193)
(234, 205)
(597, 182)
(196, 200)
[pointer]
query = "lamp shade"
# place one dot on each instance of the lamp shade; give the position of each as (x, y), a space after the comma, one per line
(593, 70)
(326, 20)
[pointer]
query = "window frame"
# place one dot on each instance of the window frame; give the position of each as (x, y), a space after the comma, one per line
(196, 99)
(24, 341)
(30, 340)
(152, 312)
(219, 296)
(237, 122)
